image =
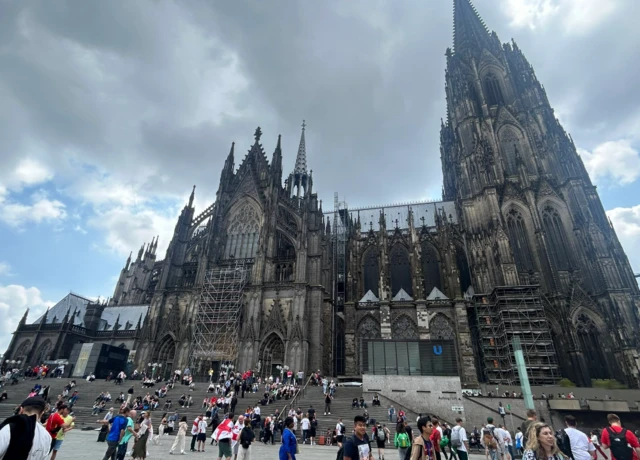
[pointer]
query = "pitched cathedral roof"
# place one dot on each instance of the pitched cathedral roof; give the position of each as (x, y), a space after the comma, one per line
(468, 28)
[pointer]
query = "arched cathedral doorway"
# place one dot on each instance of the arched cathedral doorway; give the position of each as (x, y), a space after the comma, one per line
(164, 354)
(271, 356)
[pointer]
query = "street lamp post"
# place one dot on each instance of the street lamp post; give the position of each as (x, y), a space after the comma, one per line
(282, 370)
(153, 367)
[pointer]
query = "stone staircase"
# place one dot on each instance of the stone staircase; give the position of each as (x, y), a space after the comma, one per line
(89, 391)
(341, 408)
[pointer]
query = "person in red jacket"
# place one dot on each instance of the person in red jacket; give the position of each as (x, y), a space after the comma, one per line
(615, 427)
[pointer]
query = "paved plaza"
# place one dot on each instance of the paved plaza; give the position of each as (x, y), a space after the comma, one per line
(82, 445)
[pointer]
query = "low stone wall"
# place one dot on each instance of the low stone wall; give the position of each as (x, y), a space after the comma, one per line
(440, 396)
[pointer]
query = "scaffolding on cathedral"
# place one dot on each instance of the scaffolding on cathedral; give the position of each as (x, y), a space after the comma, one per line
(515, 311)
(218, 316)
(340, 235)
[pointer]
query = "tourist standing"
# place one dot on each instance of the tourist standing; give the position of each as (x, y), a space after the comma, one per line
(327, 403)
(541, 443)
(22, 436)
(129, 431)
(340, 428)
(66, 427)
(401, 441)
(194, 432)
(246, 438)
(289, 444)
(146, 430)
(118, 426)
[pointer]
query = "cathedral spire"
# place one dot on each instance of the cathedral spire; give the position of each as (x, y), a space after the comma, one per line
(469, 30)
(276, 163)
(301, 158)
(193, 194)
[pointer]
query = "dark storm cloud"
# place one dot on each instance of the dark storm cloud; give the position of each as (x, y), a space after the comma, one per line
(166, 87)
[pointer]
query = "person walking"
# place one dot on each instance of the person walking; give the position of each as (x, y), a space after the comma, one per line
(128, 433)
(459, 442)
(622, 443)
(541, 443)
(180, 437)
(575, 444)
(392, 413)
(381, 439)
(116, 432)
(313, 425)
(305, 424)
(401, 441)
(22, 436)
(358, 446)
(289, 445)
(422, 447)
(519, 446)
(246, 438)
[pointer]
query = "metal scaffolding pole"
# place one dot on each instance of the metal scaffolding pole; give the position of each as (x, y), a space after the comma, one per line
(218, 315)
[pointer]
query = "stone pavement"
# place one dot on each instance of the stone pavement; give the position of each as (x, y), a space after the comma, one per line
(82, 445)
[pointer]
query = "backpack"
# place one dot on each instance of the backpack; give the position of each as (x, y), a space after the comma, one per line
(455, 437)
(444, 442)
(489, 438)
(620, 448)
(342, 428)
(403, 440)
(340, 455)
(564, 443)
(380, 434)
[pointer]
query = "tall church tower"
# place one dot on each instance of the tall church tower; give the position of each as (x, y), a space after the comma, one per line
(529, 210)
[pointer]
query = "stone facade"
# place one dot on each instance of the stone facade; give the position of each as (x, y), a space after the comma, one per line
(528, 208)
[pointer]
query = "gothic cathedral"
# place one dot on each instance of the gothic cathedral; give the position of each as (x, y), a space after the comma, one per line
(519, 248)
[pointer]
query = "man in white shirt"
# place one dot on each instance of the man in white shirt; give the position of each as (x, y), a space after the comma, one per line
(239, 425)
(256, 410)
(507, 443)
(458, 432)
(581, 448)
(339, 432)
(305, 424)
(23, 436)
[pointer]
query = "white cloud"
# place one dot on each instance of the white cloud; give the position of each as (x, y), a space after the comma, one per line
(27, 173)
(127, 228)
(41, 209)
(626, 221)
(31, 172)
(5, 269)
(14, 300)
(615, 160)
(576, 16)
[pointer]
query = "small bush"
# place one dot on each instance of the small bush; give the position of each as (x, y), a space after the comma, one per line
(566, 383)
(608, 384)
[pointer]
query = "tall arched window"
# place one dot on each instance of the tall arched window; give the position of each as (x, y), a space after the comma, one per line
(400, 270)
(371, 270)
(463, 268)
(511, 146)
(519, 240)
(591, 343)
(243, 233)
(558, 244)
(493, 90)
(430, 268)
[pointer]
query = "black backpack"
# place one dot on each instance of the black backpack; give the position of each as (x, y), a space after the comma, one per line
(564, 443)
(340, 455)
(620, 448)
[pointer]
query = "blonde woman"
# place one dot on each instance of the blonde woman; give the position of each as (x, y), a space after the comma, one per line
(180, 437)
(541, 444)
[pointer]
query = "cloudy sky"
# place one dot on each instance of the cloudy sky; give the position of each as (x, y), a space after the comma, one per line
(112, 111)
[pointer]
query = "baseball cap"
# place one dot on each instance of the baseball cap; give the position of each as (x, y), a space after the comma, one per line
(35, 401)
